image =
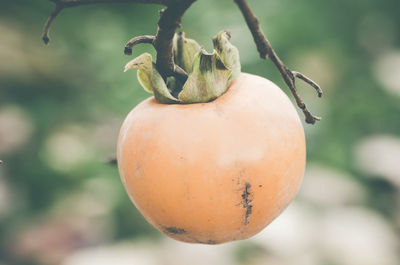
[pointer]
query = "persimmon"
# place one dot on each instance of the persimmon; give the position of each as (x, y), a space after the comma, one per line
(217, 170)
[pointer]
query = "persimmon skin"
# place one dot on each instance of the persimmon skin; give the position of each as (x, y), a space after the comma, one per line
(214, 172)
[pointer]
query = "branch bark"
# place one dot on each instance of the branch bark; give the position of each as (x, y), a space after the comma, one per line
(61, 4)
(138, 40)
(70, 3)
(266, 51)
(170, 19)
(49, 21)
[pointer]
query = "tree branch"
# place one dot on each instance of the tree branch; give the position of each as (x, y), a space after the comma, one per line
(70, 3)
(170, 19)
(308, 81)
(61, 4)
(266, 51)
(138, 40)
(49, 21)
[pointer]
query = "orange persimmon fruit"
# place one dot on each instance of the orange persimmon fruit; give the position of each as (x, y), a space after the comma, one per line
(218, 171)
(215, 159)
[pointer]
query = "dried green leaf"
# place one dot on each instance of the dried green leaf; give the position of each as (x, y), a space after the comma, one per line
(150, 79)
(229, 54)
(184, 51)
(208, 80)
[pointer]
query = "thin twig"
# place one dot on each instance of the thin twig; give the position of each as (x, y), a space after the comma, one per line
(308, 81)
(50, 20)
(266, 51)
(138, 40)
(61, 4)
(170, 18)
(71, 3)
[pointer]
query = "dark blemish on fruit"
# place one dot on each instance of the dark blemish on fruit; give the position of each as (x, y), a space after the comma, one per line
(246, 202)
(260, 186)
(174, 230)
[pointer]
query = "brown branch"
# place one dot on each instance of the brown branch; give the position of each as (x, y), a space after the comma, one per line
(266, 51)
(49, 21)
(71, 3)
(61, 4)
(308, 81)
(170, 19)
(138, 40)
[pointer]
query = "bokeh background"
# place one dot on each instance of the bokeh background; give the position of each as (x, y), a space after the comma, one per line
(61, 107)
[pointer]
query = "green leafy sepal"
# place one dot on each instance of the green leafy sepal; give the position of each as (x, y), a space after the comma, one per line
(209, 74)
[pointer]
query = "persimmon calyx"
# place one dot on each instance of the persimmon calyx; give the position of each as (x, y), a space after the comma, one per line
(150, 79)
(229, 54)
(184, 51)
(209, 74)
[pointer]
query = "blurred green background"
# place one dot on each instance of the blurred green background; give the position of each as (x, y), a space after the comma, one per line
(61, 107)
